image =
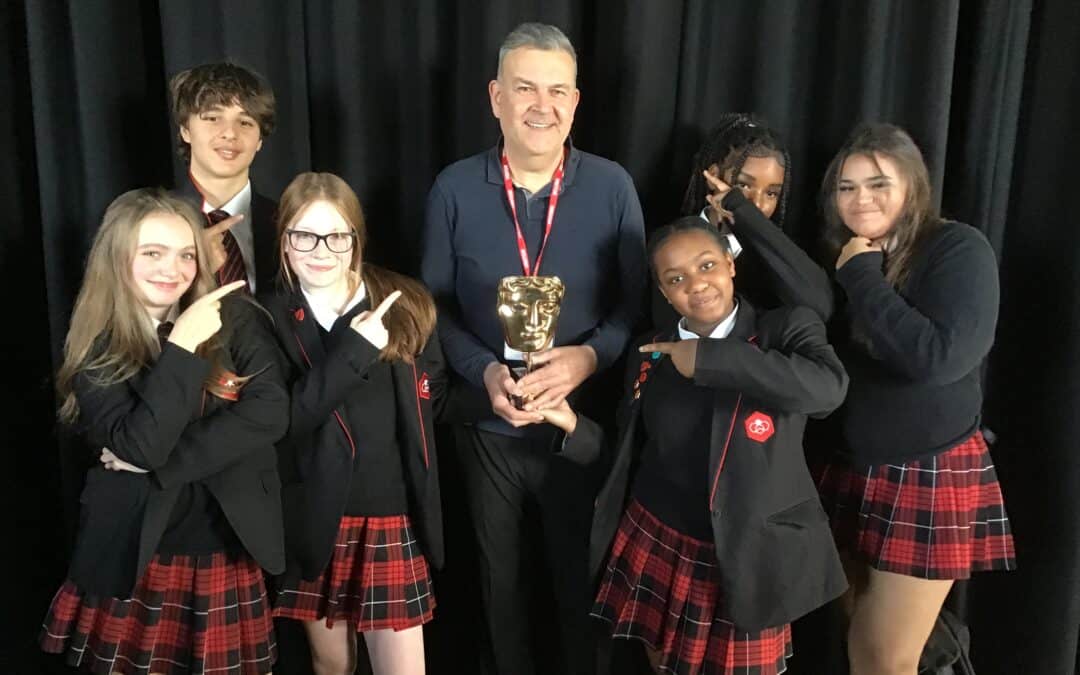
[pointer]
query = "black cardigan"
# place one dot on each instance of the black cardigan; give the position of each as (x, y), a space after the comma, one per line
(317, 453)
(775, 551)
(155, 421)
(916, 390)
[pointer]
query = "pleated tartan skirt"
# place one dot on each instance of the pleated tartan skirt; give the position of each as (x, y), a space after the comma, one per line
(938, 518)
(663, 588)
(377, 578)
(188, 614)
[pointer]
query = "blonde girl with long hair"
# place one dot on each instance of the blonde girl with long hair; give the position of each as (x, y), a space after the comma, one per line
(175, 386)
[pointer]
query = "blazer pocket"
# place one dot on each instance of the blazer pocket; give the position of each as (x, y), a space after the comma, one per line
(271, 482)
(802, 515)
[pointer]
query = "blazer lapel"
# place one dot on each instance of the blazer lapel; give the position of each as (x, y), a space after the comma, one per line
(310, 349)
(264, 234)
(186, 190)
(727, 404)
(745, 327)
(305, 330)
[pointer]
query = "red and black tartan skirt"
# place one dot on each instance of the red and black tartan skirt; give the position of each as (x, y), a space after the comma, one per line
(377, 578)
(663, 588)
(937, 518)
(188, 614)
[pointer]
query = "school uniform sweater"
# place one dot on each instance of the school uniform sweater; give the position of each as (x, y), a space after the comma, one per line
(914, 366)
(596, 246)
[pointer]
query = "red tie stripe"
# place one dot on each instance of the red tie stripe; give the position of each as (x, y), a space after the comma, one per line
(234, 268)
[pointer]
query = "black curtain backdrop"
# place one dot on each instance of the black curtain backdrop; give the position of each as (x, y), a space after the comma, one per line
(386, 94)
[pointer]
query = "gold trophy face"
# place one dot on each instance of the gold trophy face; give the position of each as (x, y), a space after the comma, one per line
(529, 311)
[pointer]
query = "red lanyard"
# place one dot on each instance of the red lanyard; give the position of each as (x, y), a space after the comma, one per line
(553, 201)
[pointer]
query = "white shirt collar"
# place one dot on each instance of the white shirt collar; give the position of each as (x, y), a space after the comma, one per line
(171, 315)
(326, 315)
(240, 203)
(719, 333)
(733, 243)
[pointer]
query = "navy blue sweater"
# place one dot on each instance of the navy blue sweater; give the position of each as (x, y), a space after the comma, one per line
(597, 247)
(916, 391)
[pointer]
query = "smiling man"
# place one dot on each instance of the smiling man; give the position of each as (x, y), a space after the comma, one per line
(223, 112)
(533, 204)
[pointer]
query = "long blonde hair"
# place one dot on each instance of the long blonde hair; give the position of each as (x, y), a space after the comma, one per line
(111, 335)
(411, 319)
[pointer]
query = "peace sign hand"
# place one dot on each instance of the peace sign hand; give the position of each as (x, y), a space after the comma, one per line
(202, 319)
(215, 242)
(718, 189)
(370, 325)
(683, 354)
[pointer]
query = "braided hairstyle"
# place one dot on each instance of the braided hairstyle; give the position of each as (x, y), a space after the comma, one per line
(736, 137)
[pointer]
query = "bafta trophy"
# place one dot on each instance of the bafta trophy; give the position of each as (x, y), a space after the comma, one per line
(528, 309)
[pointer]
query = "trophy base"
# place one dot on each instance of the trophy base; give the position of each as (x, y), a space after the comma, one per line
(517, 373)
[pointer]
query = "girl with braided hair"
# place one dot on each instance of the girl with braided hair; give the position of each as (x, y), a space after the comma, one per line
(744, 153)
(736, 139)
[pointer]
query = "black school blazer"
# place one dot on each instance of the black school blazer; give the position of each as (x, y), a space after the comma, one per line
(162, 420)
(775, 550)
(320, 445)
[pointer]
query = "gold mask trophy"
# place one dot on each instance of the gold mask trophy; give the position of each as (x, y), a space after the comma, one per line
(528, 309)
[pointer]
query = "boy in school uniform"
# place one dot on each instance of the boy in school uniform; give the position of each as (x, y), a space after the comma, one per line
(223, 113)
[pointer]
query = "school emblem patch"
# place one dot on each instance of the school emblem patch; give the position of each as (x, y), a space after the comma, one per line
(759, 427)
(423, 387)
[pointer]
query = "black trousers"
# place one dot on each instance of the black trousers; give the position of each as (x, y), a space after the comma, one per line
(532, 512)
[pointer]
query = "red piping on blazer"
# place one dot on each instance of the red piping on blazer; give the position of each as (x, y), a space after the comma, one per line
(420, 414)
(341, 422)
(723, 455)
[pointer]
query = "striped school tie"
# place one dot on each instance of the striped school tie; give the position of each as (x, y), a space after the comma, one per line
(234, 268)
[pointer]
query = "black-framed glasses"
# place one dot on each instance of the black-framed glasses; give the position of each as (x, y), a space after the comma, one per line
(337, 242)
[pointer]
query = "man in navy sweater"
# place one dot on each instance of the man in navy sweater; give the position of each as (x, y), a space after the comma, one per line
(573, 215)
